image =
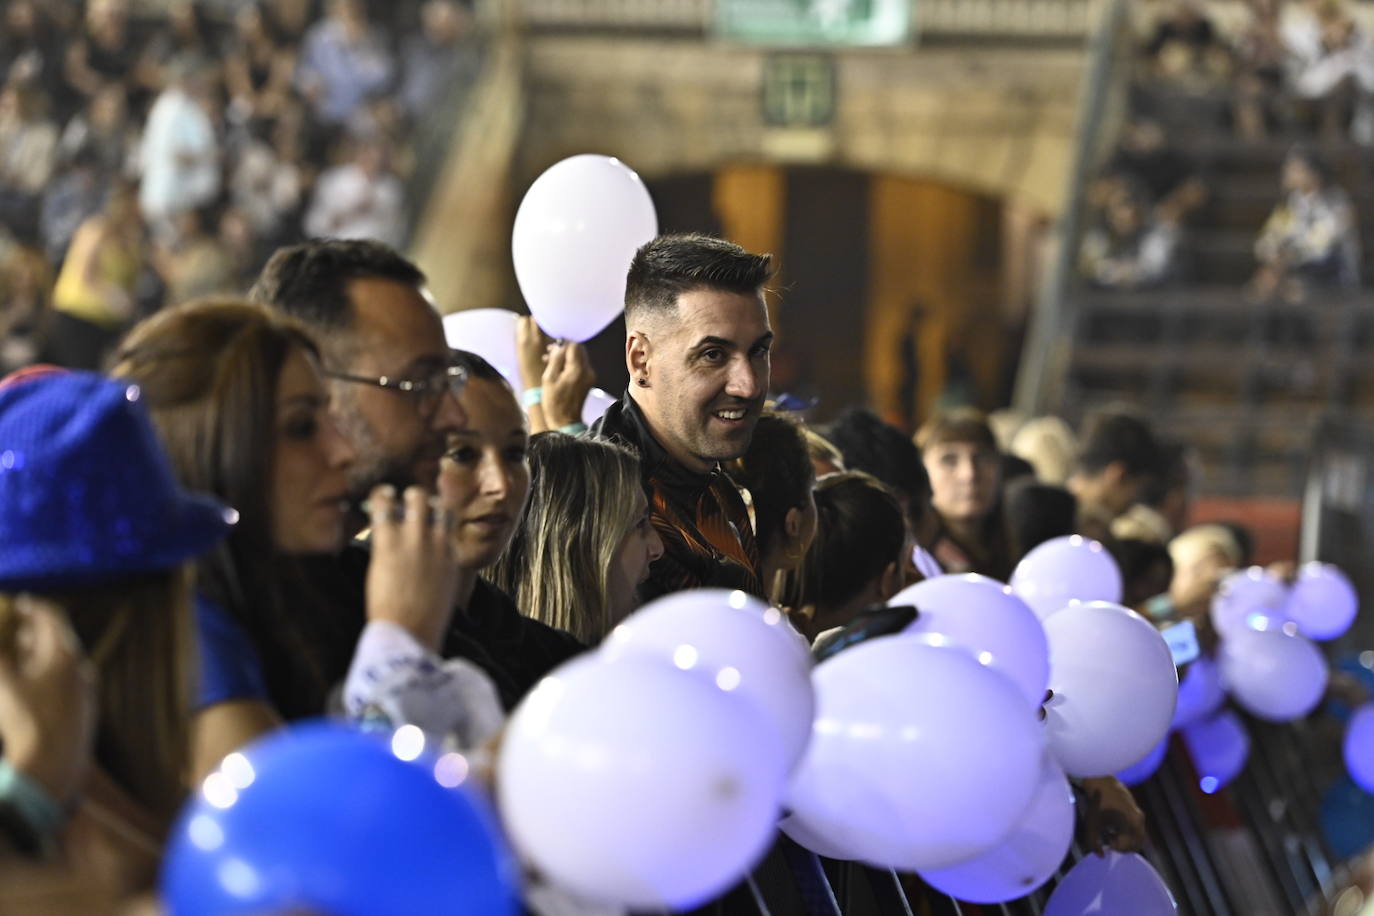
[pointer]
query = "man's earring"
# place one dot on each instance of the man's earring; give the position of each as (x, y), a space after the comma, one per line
(642, 382)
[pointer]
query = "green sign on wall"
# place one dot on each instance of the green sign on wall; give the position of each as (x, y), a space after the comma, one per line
(815, 22)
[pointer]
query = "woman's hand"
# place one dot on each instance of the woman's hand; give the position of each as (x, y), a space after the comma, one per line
(47, 698)
(531, 351)
(412, 580)
(567, 378)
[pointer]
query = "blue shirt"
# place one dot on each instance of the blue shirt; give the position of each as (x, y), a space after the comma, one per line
(229, 664)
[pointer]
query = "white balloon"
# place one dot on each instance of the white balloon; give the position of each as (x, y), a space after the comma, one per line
(596, 404)
(636, 784)
(1115, 686)
(490, 333)
(1027, 858)
(1246, 597)
(1114, 884)
(920, 756)
(982, 616)
(1063, 570)
(744, 646)
(806, 836)
(1275, 674)
(1323, 602)
(576, 232)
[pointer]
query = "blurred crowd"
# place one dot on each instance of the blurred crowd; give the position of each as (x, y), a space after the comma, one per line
(1295, 70)
(151, 159)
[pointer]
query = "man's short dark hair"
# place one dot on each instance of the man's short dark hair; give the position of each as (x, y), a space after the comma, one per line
(1120, 436)
(309, 281)
(671, 265)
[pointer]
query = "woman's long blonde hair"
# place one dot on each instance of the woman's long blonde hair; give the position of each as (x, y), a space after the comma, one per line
(584, 500)
(138, 634)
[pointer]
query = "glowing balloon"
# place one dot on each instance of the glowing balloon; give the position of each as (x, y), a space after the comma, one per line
(1136, 774)
(920, 756)
(983, 617)
(1359, 747)
(1200, 693)
(576, 232)
(1219, 748)
(1246, 598)
(636, 784)
(490, 333)
(325, 819)
(741, 644)
(806, 836)
(595, 405)
(1027, 858)
(1322, 602)
(1066, 569)
(1274, 674)
(1114, 686)
(1112, 885)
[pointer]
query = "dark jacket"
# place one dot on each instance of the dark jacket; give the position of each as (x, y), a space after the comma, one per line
(708, 539)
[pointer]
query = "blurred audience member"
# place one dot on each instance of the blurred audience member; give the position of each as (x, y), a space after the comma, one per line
(196, 263)
(183, 32)
(1049, 444)
(1262, 58)
(1201, 556)
(1118, 458)
(1186, 51)
(1146, 570)
(1336, 76)
(361, 199)
(93, 300)
(31, 50)
(1035, 513)
(964, 468)
(1310, 240)
(103, 54)
(181, 150)
(104, 131)
(28, 143)
(269, 180)
(1165, 178)
(586, 540)
(25, 285)
(1131, 249)
(258, 66)
(777, 473)
(74, 196)
(343, 59)
(440, 57)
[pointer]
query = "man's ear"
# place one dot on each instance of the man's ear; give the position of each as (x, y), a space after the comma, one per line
(792, 523)
(637, 356)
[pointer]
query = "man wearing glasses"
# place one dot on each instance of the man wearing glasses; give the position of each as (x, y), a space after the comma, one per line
(383, 346)
(396, 393)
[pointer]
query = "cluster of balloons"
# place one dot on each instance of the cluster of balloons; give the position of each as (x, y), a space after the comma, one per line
(576, 232)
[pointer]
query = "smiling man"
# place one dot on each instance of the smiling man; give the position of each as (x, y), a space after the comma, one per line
(697, 349)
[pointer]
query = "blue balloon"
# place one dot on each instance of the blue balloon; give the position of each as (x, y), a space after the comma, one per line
(1200, 693)
(326, 819)
(1137, 773)
(1358, 747)
(1219, 747)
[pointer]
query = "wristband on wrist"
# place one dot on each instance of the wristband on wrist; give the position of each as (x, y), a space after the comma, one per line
(533, 396)
(574, 429)
(31, 816)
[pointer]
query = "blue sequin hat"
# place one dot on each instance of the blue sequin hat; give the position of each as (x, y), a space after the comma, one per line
(87, 495)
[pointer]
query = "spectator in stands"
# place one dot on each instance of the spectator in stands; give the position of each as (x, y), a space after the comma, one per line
(269, 179)
(1117, 460)
(1035, 513)
(93, 300)
(440, 59)
(196, 264)
(1146, 570)
(585, 543)
(1336, 76)
(28, 143)
(1049, 444)
(964, 467)
(25, 288)
(185, 33)
(361, 199)
(180, 148)
(1166, 179)
(103, 129)
(874, 447)
(258, 66)
(31, 50)
(698, 349)
(1310, 240)
(74, 196)
(777, 473)
(103, 53)
(1186, 51)
(861, 555)
(344, 58)
(1262, 59)
(1132, 249)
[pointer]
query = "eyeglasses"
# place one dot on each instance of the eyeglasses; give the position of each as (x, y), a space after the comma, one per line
(427, 392)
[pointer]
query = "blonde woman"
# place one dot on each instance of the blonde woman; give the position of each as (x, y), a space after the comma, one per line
(586, 542)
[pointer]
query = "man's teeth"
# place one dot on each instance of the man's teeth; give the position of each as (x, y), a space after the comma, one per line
(730, 414)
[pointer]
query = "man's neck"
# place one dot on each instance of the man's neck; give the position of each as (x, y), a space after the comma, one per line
(681, 457)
